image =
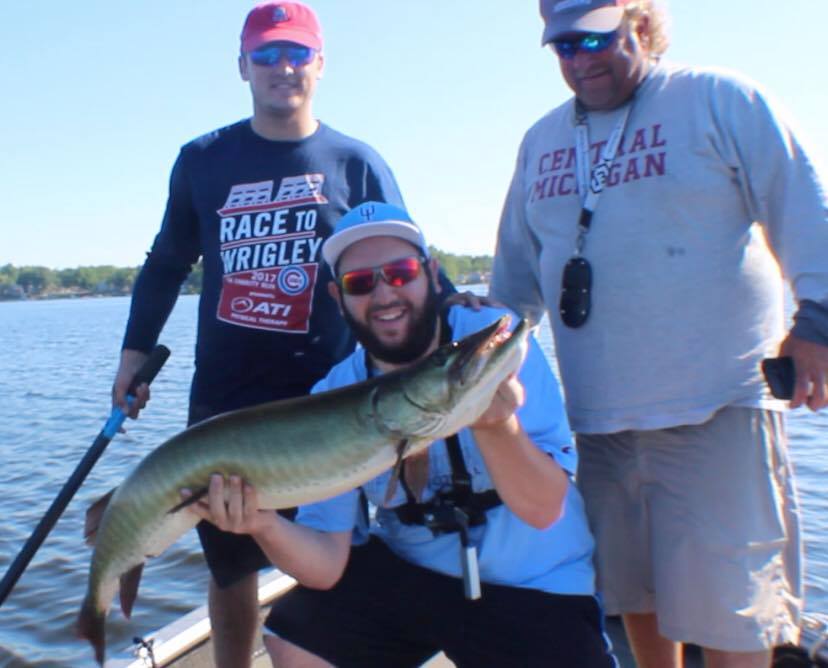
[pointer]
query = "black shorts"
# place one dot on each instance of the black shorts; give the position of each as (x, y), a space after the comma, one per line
(388, 613)
(229, 556)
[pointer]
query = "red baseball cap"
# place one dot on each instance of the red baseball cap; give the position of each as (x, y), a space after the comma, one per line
(281, 22)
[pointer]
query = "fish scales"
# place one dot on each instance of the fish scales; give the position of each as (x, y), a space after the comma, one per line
(295, 452)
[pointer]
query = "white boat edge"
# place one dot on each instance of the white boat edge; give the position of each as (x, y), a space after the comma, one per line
(174, 640)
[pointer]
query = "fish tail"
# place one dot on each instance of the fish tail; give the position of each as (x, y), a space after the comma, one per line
(90, 625)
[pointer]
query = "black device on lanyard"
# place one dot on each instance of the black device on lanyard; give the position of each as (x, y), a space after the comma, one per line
(576, 280)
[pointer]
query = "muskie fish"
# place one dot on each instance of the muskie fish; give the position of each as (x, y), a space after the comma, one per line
(295, 452)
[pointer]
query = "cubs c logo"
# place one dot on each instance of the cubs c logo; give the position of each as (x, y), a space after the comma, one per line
(293, 280)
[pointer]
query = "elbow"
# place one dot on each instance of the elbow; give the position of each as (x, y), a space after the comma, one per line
(328, 572)
(548, 510)
(321, 582)
(545, 512)
(544, 517)
(540, 511)
(324, 578)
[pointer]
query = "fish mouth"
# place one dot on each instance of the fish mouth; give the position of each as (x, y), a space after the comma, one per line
(477, 349)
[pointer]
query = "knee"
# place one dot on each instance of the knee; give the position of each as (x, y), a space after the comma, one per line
(276, 649)
(284, 654)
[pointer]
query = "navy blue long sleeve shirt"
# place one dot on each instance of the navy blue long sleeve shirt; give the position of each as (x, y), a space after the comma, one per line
(256, 212)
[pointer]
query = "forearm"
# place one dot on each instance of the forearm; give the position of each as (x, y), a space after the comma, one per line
(528, 480)
(515, 269)
(811, 321)
(153, 298)
(132, 360)
(315, 558)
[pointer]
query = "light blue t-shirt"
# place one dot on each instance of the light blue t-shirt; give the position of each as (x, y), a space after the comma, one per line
(510, 552)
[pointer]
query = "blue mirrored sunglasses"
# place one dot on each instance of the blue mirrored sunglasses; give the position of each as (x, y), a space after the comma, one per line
(593, 42)
(270, 55)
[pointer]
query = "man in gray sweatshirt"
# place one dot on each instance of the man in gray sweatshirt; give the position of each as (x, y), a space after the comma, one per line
(653, 215)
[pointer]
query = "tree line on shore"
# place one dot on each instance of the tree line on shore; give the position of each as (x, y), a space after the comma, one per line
(38, 282)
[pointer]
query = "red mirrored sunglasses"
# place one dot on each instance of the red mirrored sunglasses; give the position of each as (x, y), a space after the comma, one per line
(396, 274)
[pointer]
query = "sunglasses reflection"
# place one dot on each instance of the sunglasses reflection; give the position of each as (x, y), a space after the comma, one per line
(568, 47)
(296, 55)
(396, 274)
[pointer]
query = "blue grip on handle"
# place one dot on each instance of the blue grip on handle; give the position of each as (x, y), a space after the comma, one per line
(116, 419)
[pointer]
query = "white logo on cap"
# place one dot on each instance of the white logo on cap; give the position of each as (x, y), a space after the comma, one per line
(569, 4)
(280, 14)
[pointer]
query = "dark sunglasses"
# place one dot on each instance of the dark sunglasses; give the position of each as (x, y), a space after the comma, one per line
(270, 55)
(576, 292)
(396, 274)
(593, 42)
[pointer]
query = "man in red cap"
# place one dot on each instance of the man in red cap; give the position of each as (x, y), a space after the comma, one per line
(650, 215)
(254, 201)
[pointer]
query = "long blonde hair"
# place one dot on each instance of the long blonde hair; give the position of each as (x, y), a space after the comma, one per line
(658, 23)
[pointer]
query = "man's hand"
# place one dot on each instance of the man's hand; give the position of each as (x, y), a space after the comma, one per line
(468, 299)
(811, 364)
(528, 480)
(232, 506)
(131, 362)
(315, 558)
(509, 397)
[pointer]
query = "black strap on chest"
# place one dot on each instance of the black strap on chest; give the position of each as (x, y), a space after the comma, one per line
(458, 507)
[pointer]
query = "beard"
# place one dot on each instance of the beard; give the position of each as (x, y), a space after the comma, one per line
(418, 338)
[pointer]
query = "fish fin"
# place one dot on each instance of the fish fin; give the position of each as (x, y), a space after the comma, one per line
(188, 501)
(90, 625)
(402, 446)
(93, 517)
(129, 589)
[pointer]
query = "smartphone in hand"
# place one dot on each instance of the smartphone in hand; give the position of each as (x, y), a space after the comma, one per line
(780, 375)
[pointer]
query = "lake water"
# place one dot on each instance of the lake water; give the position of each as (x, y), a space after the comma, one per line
(57, 361)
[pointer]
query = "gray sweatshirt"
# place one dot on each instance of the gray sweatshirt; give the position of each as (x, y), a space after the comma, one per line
(687, 295)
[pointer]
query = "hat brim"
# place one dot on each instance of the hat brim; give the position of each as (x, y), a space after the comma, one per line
(604, 19)
(283, 35)
(335, 245)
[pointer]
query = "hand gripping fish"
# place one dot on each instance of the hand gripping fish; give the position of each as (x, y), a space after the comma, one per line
(294, 452)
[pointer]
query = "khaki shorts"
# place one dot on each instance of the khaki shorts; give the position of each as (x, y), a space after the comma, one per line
(700, 525)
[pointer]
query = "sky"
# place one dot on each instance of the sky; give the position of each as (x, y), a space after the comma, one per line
(98, 97)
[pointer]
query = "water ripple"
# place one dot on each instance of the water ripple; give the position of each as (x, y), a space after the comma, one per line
(55, 406)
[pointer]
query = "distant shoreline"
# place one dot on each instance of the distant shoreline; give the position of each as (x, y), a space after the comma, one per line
(56, 295)
(39, 283)
(86, 294)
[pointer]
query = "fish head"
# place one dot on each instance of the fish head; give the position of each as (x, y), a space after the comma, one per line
(458, 380)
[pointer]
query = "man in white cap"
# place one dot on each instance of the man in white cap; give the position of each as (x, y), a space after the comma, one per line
(500, 488)
(637, 218)
(254, 201)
